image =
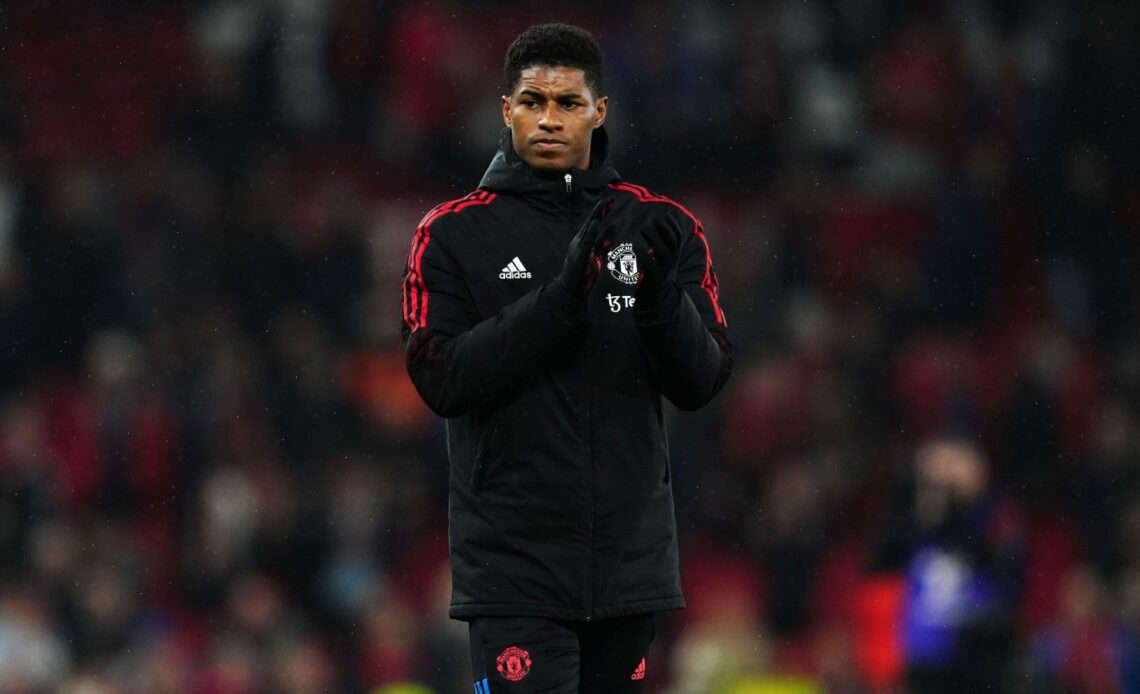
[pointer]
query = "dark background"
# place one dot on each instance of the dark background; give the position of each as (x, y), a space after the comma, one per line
(215, 475)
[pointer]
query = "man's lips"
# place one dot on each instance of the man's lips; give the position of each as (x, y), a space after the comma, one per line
(547, 144)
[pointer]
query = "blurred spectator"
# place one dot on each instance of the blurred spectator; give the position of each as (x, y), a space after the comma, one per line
(1086, 648)
(33, 655)
(724, 640)
(958, 541)
(791, 542)
(1108, 484)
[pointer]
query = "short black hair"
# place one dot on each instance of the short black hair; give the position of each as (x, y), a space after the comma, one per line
(556, 45)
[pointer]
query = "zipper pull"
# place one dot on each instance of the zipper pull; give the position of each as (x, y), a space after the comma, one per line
(569, 179)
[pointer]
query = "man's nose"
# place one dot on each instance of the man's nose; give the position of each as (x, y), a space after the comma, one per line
(551, 118)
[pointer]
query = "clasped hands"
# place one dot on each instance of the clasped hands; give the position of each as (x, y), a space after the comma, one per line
(587, 253)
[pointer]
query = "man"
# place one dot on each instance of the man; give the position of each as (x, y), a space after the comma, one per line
(545, 314)
(958, 540)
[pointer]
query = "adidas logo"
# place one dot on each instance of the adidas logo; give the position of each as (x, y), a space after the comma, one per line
(639, 673)
(514, 271)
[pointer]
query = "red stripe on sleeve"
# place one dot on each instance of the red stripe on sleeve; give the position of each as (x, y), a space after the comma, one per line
(414, 287)
(415, 292)
(709, 282)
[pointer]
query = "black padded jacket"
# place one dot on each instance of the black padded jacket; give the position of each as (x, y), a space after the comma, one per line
(560, 497)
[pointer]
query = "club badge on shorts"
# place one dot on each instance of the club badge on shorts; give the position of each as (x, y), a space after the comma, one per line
(622, 263)
(513, 663)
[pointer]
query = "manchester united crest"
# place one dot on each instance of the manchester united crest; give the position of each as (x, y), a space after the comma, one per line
(622, 263)
(513, 663)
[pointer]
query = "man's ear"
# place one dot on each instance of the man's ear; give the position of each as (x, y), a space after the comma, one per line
(507, 110)
(601, 106)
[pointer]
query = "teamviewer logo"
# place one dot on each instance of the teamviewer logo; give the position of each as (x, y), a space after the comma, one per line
(514, 271)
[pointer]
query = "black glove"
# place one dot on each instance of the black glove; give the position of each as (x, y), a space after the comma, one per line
(584, 256)
(653, 285)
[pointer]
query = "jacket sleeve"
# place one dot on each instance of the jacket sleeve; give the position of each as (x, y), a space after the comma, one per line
(458, 361)
(686, 334)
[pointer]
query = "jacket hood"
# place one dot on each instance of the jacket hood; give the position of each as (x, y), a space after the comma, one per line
(508, 173)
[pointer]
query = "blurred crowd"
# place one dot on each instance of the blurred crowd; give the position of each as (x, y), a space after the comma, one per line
(924, 475)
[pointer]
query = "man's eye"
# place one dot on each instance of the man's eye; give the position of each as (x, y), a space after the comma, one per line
(570, 105)
(530, 103)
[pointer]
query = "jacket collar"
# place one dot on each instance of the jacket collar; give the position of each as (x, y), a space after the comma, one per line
(509, 174)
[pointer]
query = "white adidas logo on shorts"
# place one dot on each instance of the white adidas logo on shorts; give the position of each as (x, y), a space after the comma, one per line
(514, 271)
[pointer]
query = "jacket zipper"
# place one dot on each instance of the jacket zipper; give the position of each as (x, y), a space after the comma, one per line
(569, 178)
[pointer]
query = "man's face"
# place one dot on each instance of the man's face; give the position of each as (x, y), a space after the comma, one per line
(552, 115)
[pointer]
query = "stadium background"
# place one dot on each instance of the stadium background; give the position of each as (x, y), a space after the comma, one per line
(215, 476)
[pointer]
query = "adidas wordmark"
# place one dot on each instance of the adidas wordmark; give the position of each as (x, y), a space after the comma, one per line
(514, 271)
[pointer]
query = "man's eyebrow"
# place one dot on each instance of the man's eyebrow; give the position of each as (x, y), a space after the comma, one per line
(540, 95)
